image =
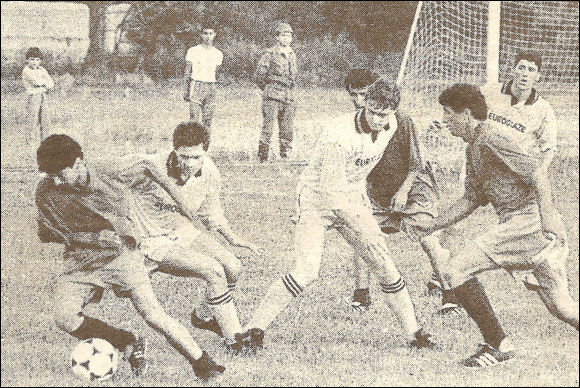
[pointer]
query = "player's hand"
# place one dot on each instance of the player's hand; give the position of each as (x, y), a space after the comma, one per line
(399, 202)
(109, 237)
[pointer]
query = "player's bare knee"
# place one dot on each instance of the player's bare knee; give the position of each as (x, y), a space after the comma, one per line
(233, 267)
(67, 320)
(213, 273)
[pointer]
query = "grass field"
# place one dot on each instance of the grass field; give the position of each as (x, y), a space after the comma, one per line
(318, 340)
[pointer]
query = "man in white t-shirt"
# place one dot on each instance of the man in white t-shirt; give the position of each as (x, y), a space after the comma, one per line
(200, 82)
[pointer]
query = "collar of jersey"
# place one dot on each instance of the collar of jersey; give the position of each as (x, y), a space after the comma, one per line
(507, 89)
(362, 126)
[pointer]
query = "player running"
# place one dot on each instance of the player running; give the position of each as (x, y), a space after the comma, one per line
(530, 234)
(88, 213)
(172, 192)
(401, 188)
(332, 194)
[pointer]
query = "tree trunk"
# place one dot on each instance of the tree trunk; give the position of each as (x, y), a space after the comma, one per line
(97, 13)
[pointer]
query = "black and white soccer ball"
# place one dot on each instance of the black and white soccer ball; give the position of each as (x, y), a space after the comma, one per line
(94, 359)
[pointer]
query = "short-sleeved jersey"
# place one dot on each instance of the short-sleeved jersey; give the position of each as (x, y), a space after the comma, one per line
(156, 212)
(534, 117)
(493, 174)
(64, 210)
(401, 156)
(36, 80)
(344, 155)
(204, 61)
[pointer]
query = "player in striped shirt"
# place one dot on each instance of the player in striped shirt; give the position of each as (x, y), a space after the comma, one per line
(530, 234)
(90, 214)
(332, 194)
(173, 191)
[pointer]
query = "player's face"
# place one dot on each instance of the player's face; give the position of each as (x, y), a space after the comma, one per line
(77, 175)
(358, 96)
(525, 74)
(190, 159)
(377, 118)
(208, 35)
(456, 122)
(33, 62)
(284, 38)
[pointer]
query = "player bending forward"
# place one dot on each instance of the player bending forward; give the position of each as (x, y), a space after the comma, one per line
(530, 234)
(172, 191)
(401, 188)
(332, 194)
(88, 214)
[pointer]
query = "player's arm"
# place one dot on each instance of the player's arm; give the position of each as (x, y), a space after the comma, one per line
(48, 81)
(262, 70)
(32, 85)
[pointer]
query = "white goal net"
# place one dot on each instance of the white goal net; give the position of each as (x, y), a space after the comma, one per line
(450, 44)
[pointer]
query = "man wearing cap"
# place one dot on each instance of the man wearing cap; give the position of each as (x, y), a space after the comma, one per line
(275, 75)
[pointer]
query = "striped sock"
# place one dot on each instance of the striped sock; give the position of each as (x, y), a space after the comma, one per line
(232, 285)
(400, 302)
(291, 285)
(225, 314)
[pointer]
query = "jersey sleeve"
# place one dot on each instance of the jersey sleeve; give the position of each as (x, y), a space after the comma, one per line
(220, 58)
(48, 81)
(262, 69)
(547, 133)
(472, 190)
(415, 156)
(190, 55)
(31, 84)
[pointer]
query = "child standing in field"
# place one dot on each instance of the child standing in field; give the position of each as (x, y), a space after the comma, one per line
(37, 82)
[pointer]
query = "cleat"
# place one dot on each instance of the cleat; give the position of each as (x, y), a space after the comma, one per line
(251, 339)
(422, 340)
(137, 357)
(488, 356)
(361, 300)
(205, 367)
(450, 309)
(206, 324)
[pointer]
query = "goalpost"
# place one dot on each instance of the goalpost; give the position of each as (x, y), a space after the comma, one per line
(476, 42)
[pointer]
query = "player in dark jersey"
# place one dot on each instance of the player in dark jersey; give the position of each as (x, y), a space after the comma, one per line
(530, 234)
(90, 215)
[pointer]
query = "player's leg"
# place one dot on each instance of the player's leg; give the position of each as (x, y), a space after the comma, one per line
(269, 114)
(71, 295)
(33, 117)
(286, 127)
(189, 261)
(195, 102)
(361, 298)
(207, 112)
(308, 243)
(553, 284)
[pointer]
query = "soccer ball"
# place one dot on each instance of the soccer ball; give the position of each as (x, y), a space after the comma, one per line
(94, 359)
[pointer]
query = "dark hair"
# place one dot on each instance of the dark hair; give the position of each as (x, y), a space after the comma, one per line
(34, 52)
(385, 93)
(463, 96)
(188, 134)
(56, 153)
(207, 25)
(529, 56)
(359, 79)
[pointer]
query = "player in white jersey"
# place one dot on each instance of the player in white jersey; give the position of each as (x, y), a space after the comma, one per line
(332, 194)
(173, 191)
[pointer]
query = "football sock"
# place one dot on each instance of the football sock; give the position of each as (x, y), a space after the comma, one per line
(279, 295)
(93, 328)
(232, 285)
(471, 295)
(194, 356)
(225, 314)
(400, 302)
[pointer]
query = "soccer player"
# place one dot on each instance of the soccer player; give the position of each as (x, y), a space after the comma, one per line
(37, 82)
(332, 194)
(172, 191)
(530, 234)
(200, 81)
(90, 215)
(401, 188)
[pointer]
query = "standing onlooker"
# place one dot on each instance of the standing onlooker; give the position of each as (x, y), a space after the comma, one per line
(200, 82)
(275, 75)
(37, 82)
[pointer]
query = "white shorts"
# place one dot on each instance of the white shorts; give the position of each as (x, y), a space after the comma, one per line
(156, 248)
